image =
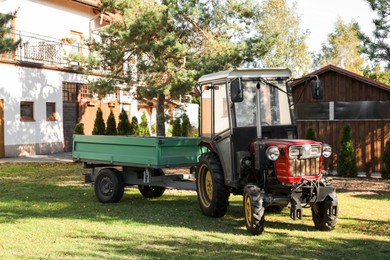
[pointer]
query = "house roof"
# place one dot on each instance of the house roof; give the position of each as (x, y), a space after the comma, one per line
(91, 3)
(347, 73)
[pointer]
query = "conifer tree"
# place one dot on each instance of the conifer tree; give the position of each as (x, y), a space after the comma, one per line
(144, 128)
(111, 125)
(176, 127)
(185, 125)
(386, 161)
(79, 129)
(346, 163)
(124, 123)
(310, 134)
(7, 42)
(99, 128)
(134, 126)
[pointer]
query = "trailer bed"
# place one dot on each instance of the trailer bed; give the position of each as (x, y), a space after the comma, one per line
(137, 151)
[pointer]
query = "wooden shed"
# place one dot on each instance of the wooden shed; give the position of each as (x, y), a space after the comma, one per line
(352, 99)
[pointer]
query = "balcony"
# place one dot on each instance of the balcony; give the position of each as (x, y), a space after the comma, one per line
(39, 50)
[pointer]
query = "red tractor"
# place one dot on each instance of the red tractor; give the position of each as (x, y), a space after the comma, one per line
(248, 129)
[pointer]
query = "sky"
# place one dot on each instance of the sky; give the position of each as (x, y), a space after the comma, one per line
(320, 16)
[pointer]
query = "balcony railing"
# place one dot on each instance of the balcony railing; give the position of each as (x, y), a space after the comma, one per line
(47, 51)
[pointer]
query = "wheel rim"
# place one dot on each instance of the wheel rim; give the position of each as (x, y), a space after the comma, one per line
(205, 185)
(106, 186)
(248, 209)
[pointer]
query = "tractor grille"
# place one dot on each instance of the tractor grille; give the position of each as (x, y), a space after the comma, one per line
(304, 167)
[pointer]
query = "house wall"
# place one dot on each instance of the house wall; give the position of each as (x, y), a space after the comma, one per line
(54, 18)
(18, 84)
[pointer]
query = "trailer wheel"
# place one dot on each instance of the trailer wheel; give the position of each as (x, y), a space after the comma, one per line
(213, 194)
(109, 185)
(151, 192)
(323, 218)
(254, 209)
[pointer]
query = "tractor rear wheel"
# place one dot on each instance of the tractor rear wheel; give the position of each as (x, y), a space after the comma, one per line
(109, 185)
(213, 194)
(254, 209)
(323, 218)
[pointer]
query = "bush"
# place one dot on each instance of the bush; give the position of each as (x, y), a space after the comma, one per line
(310, 134)
(143, 127)
(111, 125)
(79, 129)
(134, 127)
(99, 128)
(386, 161)
(186, 126)
(346, 163)
(176, 127)
(124, 123)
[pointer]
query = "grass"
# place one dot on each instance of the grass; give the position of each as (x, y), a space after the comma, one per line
(47, 212)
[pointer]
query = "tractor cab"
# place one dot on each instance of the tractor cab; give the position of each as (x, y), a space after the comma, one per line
(239, 106)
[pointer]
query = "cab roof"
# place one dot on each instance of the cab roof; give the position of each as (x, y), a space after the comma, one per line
(246, 72)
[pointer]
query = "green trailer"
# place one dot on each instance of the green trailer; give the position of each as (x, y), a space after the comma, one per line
(113, 162)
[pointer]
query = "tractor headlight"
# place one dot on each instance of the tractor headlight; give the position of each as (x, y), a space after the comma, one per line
(272, 153)
(327, 151)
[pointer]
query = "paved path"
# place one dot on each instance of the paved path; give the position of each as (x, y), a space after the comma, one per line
(57, 157)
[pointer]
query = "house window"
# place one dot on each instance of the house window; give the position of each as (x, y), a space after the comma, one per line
(50, 111)
(69, 92)
(26, 111)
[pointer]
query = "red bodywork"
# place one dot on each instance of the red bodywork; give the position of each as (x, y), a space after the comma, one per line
(283, 163)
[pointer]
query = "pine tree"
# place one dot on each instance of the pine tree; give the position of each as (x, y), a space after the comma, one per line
(134, 126)
(144, 128)
(386, 161)
(185, 126)
(99, 128)
(111, 125)
(176, 127)
(79, 129)
(346, 163)
(124, 123)
(310, 134)
(7, 43)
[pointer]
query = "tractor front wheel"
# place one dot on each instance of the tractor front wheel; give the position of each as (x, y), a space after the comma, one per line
(254, 209)
(323, 217)
(213, 194)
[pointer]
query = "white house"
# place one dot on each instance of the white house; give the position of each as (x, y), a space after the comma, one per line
(42, 96)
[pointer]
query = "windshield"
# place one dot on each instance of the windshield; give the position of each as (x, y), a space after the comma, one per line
(274, 105)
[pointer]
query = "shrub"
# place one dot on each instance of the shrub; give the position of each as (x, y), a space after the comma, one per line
(386, 161)
(186, 126)
(111, 125)
(79, 129)
(143, 127)
(99, 128)
(346, 163)
(124, 123)
(176, 127)
(310, 134)
(134, 127)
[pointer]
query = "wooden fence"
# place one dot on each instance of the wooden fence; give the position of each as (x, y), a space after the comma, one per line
(369, 137)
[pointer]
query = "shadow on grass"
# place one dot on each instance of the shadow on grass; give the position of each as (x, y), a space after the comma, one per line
(382, 195)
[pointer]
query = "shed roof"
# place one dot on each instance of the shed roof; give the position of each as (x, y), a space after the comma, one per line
(347, 73)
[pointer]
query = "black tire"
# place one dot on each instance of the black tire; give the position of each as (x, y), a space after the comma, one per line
(151, 192)
(254, 209)
(213, 194)
(109, 185)
(322, 220)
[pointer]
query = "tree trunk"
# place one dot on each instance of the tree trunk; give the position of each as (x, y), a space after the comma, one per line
(160, 115)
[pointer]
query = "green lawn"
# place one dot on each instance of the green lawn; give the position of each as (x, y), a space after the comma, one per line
(47, 212)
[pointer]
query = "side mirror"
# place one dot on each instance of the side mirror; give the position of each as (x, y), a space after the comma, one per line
(317, 89)
(236, 93)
